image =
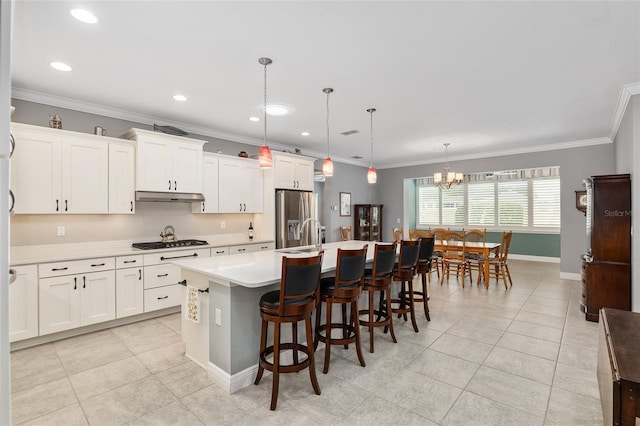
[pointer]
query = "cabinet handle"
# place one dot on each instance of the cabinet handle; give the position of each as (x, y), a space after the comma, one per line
(242, 249)
(65, 206)
(240, 206)
(57, 206)
(162, 275)
(139, 274)
(13, 201)
(203, 207)
(130, 261)
(97, 264)
(163, 297)
(131, 205)
(84, 282)
(59, 269)
(75, 283)
(175, 185)
(264, 247)
(245, 207)
(178, 257)
(13, 144)
(220, 252)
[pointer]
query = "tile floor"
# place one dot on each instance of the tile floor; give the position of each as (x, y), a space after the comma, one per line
(522, 356)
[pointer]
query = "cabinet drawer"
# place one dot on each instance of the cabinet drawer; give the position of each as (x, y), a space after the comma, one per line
(219, 251)
(170, 256)
(161, 275)
(246, 248)
(265, 246)
(129, 261)
(57, 269)
(162, 297)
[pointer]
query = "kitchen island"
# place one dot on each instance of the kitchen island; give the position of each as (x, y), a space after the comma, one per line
(226, 340)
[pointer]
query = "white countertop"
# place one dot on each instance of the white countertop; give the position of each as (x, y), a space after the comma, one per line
(259, 269)
(24, 255)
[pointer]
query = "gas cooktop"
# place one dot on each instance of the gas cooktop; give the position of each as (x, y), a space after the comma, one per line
(160, 245)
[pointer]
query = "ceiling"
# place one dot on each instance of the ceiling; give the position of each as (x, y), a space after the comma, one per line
(486, 77)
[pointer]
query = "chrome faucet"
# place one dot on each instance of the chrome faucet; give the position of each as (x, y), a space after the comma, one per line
(168, 234)
(318, 240)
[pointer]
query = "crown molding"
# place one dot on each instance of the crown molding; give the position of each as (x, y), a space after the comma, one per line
(504, 152)
(121, 114)
(626, 92)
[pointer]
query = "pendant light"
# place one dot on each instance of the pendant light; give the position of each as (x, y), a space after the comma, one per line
(264, 156)
(327, 164)
(372, 176)
(449, 177)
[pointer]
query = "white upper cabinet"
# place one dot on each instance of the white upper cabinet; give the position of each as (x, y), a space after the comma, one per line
(57, 171)
(240, 186)
(293, 172)
(122, 178)
(209, 185)
(167, 163)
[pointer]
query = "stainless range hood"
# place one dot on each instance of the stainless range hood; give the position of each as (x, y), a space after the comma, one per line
(171, 197)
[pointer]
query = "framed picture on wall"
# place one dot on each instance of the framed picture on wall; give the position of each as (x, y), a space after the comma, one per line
(345, 204)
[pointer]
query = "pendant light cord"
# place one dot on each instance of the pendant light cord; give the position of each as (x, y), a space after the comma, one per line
(265, 104)
(328, 155)
(371, 133)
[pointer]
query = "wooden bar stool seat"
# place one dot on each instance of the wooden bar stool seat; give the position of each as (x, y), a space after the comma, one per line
(379, 279)
(343, 289)
(405, 271)
(294, 302)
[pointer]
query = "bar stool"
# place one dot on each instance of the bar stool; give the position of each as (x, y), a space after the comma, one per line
(404, 271)
(424, 269)
(294, 302)
(379, 279)
(343, 289)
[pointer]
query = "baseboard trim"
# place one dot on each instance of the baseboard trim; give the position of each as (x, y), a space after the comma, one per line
(534, 258)
(571, 276)
(232, 383)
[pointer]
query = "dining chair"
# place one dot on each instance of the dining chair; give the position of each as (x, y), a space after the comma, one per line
(476, 260)
(379, 279)
(417, 234)
(498, 266)
(345, 233)
(398, 234)
(344, 289)
(440, 234)
(453, 256)
(293, 302)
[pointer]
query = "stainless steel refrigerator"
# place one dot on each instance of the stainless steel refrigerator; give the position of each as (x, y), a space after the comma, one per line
(293, 208)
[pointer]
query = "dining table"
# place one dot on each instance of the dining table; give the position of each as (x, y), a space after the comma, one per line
(480, 247)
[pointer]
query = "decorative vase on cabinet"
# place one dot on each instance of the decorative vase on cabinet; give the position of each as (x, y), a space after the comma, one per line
(368, 222)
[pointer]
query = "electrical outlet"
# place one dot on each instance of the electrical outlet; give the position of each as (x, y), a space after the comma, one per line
(222, 225)
(218, 317)
(61, 231)
(398, 220)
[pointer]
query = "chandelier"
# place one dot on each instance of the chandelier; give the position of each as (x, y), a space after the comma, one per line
(450, 177)
(264, 155)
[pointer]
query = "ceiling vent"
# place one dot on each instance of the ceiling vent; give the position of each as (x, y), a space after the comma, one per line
(356, 157)
(350, 132)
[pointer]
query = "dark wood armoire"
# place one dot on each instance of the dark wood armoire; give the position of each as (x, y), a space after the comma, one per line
(606, 266)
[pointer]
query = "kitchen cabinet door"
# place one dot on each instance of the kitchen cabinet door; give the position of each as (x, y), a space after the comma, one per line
(36, 170)
(59, 304)
(23, 303)
(187, 167)
(97, 297)
(154, 165)
(129, 292)
(241, 186)
(293, 173)
(122, 178)
(85, 175)
(209, 186)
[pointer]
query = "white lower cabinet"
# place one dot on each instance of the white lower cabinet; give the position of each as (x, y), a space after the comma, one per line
(162, 297)
(129, 292)
(248, 248)
(23, 303)
(71, 301)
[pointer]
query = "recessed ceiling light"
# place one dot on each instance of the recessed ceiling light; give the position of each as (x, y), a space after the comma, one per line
(277, 110)
(254, 119)
(60, 66)
(305, 134)
(83, 15)
(180, 98)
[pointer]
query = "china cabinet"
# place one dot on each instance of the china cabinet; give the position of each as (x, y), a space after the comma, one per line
(368, 222)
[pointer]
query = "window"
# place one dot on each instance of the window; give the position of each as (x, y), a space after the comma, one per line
(517, 199)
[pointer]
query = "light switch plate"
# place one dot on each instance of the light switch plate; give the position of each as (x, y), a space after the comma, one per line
(218, 317)
(222, 225)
